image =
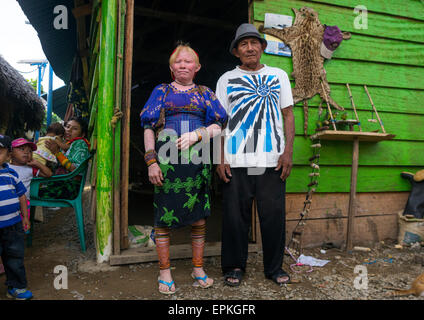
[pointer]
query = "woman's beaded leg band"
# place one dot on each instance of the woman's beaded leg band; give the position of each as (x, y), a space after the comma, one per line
(198, 233)
(162, 247)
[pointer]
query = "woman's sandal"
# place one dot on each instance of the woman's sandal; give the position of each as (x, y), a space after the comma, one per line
(234, 274)
(204, 286)
(279, 274)
(169, 284)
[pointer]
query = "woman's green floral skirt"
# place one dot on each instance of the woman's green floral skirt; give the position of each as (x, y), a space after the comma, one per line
(184, 197)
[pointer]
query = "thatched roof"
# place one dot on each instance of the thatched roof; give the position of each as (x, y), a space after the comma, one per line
(21, 107)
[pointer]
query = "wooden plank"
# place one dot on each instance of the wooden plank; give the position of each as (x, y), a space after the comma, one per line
(367, 230)
(380, 25)
(337, 179)
(360, 72)
(408, 9)
(393, 100)
(352, 197)
(387, 153)
(180, 251)
(378, 50)
(404, 126)
(336, 205)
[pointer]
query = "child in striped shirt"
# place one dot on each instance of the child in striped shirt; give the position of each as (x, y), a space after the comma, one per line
(13, 202)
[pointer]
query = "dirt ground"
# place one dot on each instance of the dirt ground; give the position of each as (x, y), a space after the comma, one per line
(56, 243)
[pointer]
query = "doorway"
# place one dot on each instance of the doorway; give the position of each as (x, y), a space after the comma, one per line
(209, 27)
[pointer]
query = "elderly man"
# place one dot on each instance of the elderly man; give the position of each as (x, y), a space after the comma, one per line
(256, 156)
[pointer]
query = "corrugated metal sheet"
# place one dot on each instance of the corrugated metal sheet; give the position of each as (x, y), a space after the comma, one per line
(59, 46)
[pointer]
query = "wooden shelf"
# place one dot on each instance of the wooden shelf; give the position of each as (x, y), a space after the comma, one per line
(351, 135)
(355, 137)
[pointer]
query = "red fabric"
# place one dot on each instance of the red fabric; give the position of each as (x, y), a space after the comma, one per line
(80, 138)
(35, 171)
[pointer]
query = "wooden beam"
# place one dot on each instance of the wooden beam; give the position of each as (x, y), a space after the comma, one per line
(147, 27)
(178, 17)
(180, 251)
(182, 30)
(82, 10)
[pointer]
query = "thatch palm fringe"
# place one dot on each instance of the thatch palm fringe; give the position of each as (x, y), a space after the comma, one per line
(21, 108)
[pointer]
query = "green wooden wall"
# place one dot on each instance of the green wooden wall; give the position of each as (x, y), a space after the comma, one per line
(388, 57)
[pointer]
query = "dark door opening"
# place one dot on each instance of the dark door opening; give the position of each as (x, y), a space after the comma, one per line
(209, 27)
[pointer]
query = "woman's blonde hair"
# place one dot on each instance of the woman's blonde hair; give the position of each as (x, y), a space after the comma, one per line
(180, 47)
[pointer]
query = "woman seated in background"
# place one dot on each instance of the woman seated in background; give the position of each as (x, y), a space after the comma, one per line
(77, 153)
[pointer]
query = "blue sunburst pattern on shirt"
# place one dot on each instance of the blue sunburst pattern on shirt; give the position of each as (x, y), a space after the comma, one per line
(255, 101)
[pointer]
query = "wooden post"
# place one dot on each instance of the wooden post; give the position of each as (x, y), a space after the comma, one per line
(126, 109)
(117, 130)
(375, 110)
(104, 219)
(250, 12)
(352, 199)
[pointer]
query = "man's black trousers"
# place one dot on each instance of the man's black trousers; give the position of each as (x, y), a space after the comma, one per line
(269, 191)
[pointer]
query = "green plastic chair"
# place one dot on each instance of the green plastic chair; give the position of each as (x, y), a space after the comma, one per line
(76, 203)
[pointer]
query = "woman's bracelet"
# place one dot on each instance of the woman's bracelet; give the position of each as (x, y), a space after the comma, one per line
(150, 157)
(202, 134)
(199, 135)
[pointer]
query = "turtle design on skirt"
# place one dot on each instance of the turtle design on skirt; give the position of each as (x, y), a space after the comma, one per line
(168, 217)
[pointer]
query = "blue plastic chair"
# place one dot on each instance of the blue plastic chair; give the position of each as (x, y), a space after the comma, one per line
(76, 203)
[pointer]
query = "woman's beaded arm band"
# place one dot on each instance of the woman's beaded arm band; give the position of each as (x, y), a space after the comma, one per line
(150, 157)
(63, 160)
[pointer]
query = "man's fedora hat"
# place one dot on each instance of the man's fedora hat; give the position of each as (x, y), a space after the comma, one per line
(243, 31)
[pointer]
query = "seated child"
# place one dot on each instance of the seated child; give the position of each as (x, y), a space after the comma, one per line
(13, 203)
(26, 167)
(43, 155)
